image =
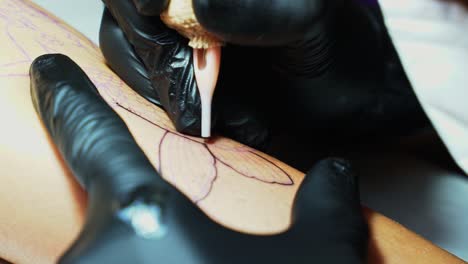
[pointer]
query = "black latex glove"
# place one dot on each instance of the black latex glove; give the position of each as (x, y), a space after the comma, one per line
(324, 67)
(328, 225)
(157, 63)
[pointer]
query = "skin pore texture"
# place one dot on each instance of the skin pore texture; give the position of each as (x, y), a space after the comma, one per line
(44, 205)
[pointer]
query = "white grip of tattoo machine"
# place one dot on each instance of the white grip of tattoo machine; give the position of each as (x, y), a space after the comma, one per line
(206, 65)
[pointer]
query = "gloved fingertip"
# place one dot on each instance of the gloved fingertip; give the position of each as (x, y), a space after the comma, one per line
(329, 197)
(54, 68)
(150, 7)
(337, 175)
(46, 62)
(41, 60)
(342, 167)
(51, 72)
(330, 184)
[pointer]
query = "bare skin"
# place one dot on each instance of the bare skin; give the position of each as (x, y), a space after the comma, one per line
(237, 187)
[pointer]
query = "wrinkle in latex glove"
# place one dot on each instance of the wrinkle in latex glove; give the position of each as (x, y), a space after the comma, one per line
(167, 60)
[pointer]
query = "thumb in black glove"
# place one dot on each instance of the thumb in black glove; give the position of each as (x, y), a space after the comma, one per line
(134, 216)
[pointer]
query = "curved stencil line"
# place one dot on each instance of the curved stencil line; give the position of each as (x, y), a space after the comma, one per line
(256, 177)
(90, 48)
(15, 42)
(215, 177)
(140, 116)
(220, 160)
(215, 166)
(205, 188)
(161, 141)
(28, 8)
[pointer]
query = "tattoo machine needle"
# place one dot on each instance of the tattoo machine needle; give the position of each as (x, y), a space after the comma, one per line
(180, 16)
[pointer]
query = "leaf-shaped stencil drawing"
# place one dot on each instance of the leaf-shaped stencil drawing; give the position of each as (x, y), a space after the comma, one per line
(249, 164)
(188, 165)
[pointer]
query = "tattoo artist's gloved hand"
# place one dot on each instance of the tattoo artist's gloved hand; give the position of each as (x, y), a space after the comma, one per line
(134, 216)
(327, 67)
(157, 63)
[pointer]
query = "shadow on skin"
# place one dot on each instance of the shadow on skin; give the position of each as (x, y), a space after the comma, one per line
(421, 196)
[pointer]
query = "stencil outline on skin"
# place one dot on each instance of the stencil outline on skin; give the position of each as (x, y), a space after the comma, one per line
(287, 180)
(19, 15)
(216, 153)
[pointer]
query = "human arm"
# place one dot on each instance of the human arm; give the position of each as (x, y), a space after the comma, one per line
(131, 206)
(39, 185)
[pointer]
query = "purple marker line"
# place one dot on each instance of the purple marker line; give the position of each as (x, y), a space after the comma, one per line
(14, 63)
(58, 23)
(21, 75)
(17, 44)
(44, 47)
